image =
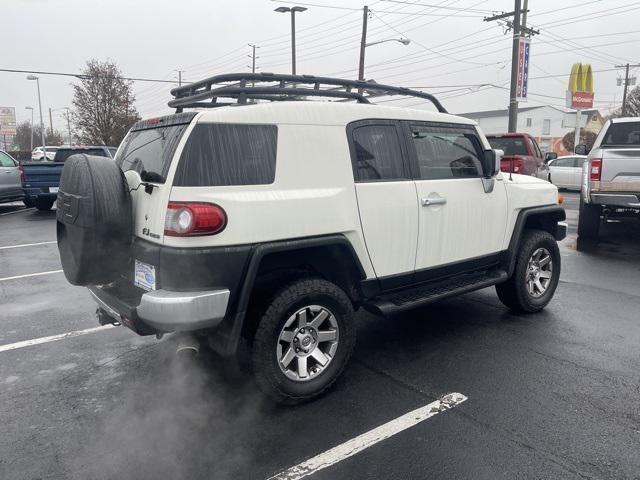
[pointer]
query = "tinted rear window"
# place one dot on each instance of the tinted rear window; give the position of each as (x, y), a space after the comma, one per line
(510, 145)
(223, 154)
(149, 152)
(63, 154)
(622, 134)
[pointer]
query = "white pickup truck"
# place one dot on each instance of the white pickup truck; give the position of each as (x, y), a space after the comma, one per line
(610, 176)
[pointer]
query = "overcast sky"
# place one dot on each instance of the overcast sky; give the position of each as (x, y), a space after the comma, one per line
(450, 49)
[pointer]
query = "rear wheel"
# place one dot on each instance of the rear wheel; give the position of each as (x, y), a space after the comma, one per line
(589, 220)
(303, 341)
(535, 276)
(44, 204)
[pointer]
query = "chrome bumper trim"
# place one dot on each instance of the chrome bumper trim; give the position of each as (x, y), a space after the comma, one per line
(617, 199)
(183, 311)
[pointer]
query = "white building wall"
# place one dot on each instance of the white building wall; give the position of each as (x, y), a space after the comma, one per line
(530, 121)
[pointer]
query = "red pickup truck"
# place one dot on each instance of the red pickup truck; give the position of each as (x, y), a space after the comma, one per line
(522, 150)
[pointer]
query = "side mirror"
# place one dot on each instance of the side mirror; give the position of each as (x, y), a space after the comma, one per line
(491, 163)
(582, 149)
(550, 156)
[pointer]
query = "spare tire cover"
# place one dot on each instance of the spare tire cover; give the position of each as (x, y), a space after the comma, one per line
(94, 220)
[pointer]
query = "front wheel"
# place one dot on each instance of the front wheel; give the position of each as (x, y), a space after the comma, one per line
(303, 341)
(536, 274)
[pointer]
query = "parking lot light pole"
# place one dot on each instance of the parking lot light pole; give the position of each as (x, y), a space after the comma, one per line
(293, 11)
(31, 108)
(44, 151)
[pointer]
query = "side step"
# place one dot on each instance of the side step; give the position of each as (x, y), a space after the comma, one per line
(413, 297)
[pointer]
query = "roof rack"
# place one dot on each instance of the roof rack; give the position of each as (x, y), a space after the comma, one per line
(280, 87)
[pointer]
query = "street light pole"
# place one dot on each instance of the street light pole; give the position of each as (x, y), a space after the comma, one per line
(31, 108)
(293, 11)
(44, 151)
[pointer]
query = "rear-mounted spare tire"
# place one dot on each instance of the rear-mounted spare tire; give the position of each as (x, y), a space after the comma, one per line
(94, 220)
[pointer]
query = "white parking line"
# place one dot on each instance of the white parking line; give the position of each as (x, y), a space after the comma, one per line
(29, 275)
(370, 438)
(52, 338)
(27, 245)
(16, 211)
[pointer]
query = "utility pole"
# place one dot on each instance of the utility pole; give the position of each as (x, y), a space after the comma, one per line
(363, 42)
(68, 124)
(50, 122)
(253, 57)
(626, 85)
(518, 32)
(513, 102)
(180, 77)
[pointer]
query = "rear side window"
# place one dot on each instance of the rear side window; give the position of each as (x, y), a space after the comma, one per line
(446, 152)
(509, 145)
(149, 152)
(377, 153)
(222, 154)
(6, 160)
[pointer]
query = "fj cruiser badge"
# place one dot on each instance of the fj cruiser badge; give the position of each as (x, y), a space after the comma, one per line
(149, 233)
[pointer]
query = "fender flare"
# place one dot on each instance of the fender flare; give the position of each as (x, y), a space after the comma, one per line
(225, 339)
(551, 215)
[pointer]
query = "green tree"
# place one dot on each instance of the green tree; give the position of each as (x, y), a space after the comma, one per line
(103, 104)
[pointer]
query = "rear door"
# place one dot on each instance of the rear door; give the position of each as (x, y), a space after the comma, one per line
(458, 221)
(145, 156)
(562, 172)
(386, 198)
(10, 185)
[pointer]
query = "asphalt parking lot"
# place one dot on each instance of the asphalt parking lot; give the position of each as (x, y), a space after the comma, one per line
(549, 396)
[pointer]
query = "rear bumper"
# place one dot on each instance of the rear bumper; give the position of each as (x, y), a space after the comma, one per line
(31, 193)
(628, 200)
(162, 310)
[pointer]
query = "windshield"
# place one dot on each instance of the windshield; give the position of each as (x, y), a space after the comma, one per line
(622, 134)
(63, 154)
(149, 151)
(509, 145)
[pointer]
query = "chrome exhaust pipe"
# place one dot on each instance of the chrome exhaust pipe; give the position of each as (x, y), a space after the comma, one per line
(188, 346)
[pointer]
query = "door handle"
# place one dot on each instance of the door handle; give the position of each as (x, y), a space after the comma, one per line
(427, 202)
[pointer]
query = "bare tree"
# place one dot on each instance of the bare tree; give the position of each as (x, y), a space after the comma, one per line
(23, 136)
(633, 105)
(103, 104)
(586, 137)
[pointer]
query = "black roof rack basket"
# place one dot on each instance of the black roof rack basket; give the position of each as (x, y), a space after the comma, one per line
(244, 87)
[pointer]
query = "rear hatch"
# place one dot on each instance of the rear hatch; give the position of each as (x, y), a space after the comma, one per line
(145, 156)
(514, 148)
(621, 157)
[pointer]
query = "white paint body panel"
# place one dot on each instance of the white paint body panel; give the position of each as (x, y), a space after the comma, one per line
(314, 194)
(470, 224)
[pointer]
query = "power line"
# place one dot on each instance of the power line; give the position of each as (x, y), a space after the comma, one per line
(82, 76)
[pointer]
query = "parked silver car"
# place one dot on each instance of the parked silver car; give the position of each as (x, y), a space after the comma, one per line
(10, 181)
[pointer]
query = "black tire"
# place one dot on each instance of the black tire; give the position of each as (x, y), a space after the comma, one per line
(28, 203)
(43, 204)
(285, 303)
(94, 220)
(514, 292)
(589, 220)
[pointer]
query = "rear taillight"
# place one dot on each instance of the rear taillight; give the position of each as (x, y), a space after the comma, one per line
(596, 169)
(185, 219)
(22, 177)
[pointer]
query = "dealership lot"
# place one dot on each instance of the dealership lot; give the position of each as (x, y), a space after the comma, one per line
(553, 395)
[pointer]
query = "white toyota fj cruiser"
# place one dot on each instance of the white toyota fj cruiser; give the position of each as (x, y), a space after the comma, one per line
(273, 220)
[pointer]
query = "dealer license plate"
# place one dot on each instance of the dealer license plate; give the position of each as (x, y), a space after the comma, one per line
(144, 275)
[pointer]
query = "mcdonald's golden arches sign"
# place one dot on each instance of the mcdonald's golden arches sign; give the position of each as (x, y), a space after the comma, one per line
(580, 92)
